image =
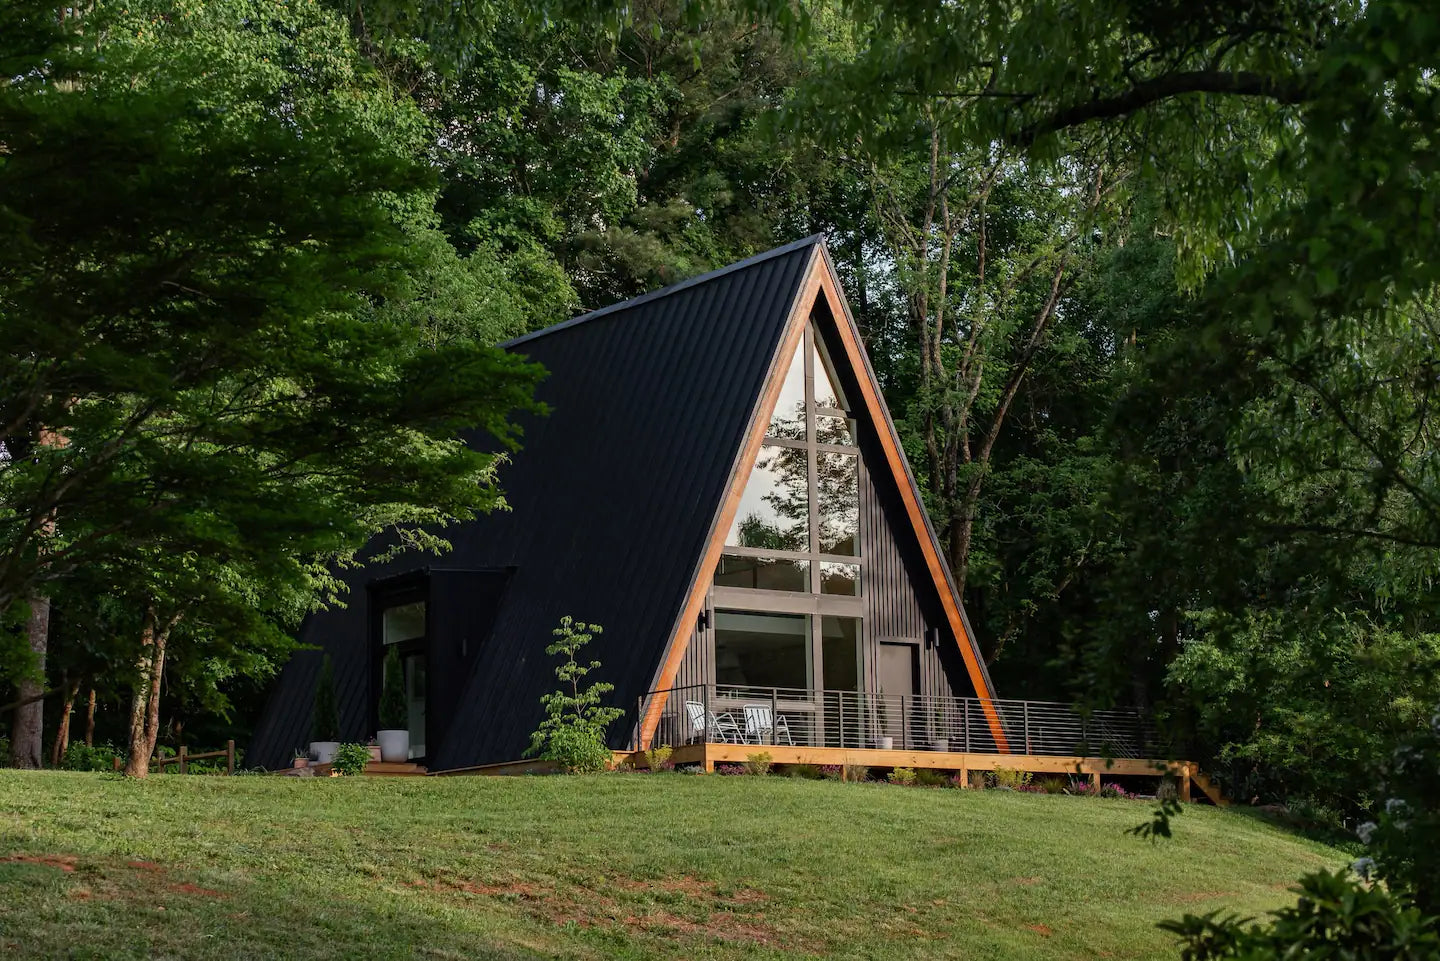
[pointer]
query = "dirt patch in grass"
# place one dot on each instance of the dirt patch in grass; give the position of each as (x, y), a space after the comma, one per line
(1044, 930)
(65, 862)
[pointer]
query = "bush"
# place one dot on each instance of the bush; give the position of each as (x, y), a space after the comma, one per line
(759, 764)
(1334, 917)
(831, 772)
(904, 776)
(805, 772)
(578, 750)
(1080, 788)
(81, 757)
(573, 732)
(350, 759)
(325, 723)
(1113, 791)
(1167, 790)
(1052, 785)
(1009, 780)
(658, 758)
(855, 772)
(730, 770)
(394, 706)
(925, 777)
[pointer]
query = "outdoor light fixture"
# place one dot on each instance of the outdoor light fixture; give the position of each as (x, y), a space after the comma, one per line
(704, 620)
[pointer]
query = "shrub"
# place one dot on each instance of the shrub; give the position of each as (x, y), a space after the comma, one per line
(831, 772)
(658, 758)
(1334, 917)
(1052, 785)
(1080, 788)
(394, 708)
(82, 757)
(925, 777)
(978, 780)
(325, 723)
(855, 772)
(730, 770)
(904, 776)
(1009, 780)
(573, 732)
(577, 751)
(759, 764)
(350, 759)
(805, 772)
(1167, 790)
(1113, 791)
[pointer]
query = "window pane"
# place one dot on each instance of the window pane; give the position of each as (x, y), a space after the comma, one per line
(839, 579)
(838, 480)
(762, 650)
(840, 651)
(827, 394)
(404, 622)
(764, 573)
(788, 420)
(834, 430)
(774, 509)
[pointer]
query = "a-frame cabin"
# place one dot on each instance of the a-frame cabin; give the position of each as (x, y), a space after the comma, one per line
(718, 483)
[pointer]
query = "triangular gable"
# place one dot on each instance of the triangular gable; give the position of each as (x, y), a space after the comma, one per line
(820, 284)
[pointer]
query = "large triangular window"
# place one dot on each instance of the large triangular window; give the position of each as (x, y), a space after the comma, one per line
(797, 528)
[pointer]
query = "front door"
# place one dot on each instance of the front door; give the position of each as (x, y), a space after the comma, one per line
(899, 687)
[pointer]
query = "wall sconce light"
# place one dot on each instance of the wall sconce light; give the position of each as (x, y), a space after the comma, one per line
(703, 623)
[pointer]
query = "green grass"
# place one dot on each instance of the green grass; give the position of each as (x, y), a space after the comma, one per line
(638, 866)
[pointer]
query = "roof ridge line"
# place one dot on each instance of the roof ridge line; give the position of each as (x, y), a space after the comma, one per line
(667, 291)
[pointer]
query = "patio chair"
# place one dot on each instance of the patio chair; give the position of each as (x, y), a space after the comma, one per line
(703, 723)
(762, 725)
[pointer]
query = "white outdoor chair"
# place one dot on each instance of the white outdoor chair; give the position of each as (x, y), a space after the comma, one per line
(763, 725)
(703, 723)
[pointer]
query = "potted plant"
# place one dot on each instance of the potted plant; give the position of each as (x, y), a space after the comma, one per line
(325, 723)
(884, 741)
(394, 733)
(302, 759)
(941, 741)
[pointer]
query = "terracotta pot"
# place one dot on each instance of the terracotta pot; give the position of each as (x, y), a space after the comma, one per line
(300, 762)
(374, 751)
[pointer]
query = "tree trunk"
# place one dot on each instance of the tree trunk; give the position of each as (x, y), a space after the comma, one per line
(145, 700)
(27, 733)
(62, 733)
(90, 720)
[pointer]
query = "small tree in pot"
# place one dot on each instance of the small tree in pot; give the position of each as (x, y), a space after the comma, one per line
(325, 723)
(394, 733)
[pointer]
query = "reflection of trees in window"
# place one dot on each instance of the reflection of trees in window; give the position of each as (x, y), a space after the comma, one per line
(776, 503)
(837, 483)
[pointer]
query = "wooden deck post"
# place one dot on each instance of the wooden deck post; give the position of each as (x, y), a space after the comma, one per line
(965, 772)
(230, 757)
(1095, 782)
(1185, 783)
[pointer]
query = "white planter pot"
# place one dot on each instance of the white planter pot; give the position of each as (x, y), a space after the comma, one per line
(323, 752)
(885, 743)
(942, 744)
(394, 746)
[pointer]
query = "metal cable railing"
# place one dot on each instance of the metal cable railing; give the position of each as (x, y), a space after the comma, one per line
(859, 719)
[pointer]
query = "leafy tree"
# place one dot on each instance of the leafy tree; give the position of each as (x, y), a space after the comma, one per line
(214, 314)
(573, 733)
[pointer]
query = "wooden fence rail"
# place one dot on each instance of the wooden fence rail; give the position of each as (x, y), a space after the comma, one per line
(183, 759)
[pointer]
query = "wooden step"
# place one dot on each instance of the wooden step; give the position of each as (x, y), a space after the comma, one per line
(378, 769)
(1211, 789)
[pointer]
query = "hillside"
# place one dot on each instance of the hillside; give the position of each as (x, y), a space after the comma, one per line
(621, 865)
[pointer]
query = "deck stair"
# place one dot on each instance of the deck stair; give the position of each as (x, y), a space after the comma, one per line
(377, 769)
(1212, 790)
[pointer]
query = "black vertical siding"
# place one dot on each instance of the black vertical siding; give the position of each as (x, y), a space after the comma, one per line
(611, 502)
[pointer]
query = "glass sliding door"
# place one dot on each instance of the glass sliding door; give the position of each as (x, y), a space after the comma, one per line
(403, 627)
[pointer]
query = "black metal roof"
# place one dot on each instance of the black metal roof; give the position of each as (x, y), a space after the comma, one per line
(611, 502)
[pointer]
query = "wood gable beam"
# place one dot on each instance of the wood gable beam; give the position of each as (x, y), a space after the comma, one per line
(818, 280)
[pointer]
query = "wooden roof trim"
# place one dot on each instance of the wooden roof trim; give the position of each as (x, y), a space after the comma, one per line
(794, 329)
(819, 278)
(910, 496)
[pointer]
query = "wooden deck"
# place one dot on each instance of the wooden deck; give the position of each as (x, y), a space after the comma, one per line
(707, 755)
(710, 754)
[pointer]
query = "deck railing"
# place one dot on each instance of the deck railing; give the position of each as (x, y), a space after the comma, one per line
(857, 719)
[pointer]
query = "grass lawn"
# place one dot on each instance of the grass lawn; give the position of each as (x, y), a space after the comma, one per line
(636, 865)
